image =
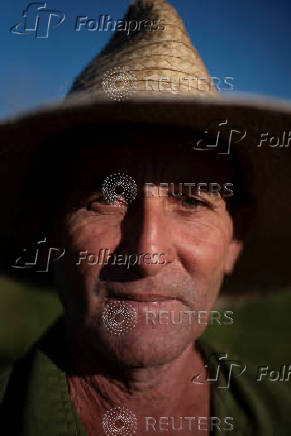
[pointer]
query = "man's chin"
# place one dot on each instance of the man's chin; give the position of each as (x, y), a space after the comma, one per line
(145, 345)
(137, 334)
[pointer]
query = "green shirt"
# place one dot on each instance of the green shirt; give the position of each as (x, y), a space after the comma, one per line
(35, 400)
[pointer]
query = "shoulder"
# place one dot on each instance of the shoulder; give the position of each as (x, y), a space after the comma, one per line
(268, 401)
(5, 372)
(259, 406)
(34, 392)
(17, 377)
(14, 378)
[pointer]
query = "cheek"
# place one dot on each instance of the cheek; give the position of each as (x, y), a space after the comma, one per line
(85, 240)
(75, 275)
(202, 247)
(92, 234)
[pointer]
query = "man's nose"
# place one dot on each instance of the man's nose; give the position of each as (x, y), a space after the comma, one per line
(150, 237)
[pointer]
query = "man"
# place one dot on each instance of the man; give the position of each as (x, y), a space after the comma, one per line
(146, 227)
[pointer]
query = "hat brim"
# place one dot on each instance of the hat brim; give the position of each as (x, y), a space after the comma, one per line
(265, 261)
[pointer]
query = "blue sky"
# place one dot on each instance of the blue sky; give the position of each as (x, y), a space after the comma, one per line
(247, 40)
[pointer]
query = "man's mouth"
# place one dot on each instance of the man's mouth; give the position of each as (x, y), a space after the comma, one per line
(145, 298)
(168, 289)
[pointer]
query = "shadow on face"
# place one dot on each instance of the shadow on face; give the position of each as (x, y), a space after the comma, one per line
(159, 241)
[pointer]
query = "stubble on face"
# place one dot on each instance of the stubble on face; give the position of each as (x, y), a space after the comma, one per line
(194, 235)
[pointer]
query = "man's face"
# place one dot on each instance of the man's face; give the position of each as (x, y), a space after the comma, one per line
(145, 313)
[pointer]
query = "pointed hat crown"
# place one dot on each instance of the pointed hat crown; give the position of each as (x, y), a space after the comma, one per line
(150, 52)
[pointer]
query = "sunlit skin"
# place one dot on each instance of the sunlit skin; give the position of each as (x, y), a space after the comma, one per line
(148, 369)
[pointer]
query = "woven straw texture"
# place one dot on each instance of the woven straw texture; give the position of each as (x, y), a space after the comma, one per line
(165, 54)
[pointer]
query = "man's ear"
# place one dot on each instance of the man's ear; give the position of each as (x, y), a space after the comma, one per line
(233, 252)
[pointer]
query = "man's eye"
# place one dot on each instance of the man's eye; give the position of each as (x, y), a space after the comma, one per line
(97, 202)
(193, 203)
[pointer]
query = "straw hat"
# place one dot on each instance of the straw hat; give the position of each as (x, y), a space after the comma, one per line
(151, 76)
(162, 59)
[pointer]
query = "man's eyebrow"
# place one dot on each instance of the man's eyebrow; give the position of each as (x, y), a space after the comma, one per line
(92, 185)
(212, 198)
(84, 189)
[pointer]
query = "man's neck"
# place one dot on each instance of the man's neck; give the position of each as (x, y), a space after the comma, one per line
(159, 391)
(138, 383)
